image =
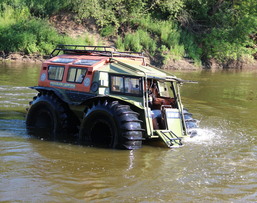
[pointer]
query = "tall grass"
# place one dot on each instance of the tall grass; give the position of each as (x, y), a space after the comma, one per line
(21, 32)
(173, 42)
(29, 36)
(137, 41)
(119, 44)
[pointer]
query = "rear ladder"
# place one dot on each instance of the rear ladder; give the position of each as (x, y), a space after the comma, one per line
(170, 138)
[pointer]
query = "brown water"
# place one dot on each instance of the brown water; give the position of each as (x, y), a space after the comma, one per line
(219, 165)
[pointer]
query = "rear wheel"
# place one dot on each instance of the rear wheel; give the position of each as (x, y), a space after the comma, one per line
(110, 124)
(50, 119)
(191, 124)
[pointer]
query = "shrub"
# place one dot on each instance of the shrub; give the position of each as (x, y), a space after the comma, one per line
(132, 42)
(108, 31)
(9, 15)
(119, 44)
(146, 41)
(191, 46)
(29, 36)
(44, 8)
(166, 32)
(137, 41)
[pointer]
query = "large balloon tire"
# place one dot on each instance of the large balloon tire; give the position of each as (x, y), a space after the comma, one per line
(112, 125)
(49, 118)
(191, 123)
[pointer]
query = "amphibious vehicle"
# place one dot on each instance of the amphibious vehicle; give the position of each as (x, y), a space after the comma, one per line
(107, 98)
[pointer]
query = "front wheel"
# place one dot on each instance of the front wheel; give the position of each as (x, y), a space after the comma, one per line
(49, 118)
(110, 124)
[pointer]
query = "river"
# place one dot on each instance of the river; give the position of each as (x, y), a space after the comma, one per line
(218, 165)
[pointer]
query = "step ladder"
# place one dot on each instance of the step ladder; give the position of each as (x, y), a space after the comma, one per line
(170, 138)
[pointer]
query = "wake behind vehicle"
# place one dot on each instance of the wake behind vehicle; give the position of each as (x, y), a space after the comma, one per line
(108, 98)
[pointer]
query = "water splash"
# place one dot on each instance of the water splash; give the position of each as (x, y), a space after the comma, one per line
(207, 136)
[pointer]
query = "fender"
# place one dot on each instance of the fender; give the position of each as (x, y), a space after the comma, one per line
(82, 98)
(67, 96)
(111, 98)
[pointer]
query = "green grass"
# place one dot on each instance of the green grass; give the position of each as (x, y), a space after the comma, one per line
(21, 32)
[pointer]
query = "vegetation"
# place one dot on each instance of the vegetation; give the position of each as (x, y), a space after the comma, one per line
(223, 30)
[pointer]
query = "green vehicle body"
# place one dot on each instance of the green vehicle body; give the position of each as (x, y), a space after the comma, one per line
(120, 80)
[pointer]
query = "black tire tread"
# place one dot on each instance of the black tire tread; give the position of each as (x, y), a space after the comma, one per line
(66, 121)
(130, 130)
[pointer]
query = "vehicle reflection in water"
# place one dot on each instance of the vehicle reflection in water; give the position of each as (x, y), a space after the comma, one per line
(217, 165)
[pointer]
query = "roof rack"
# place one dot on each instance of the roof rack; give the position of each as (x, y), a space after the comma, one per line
(96, 50)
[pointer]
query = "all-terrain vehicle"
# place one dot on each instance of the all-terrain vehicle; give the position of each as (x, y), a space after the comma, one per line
(107, 98)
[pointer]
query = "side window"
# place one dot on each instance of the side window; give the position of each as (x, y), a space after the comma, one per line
(132, 85)
(117, 84)
(76, 75)
(55, 72)
(126, 85)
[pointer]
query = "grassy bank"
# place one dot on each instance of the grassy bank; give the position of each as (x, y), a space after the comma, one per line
(169, 30)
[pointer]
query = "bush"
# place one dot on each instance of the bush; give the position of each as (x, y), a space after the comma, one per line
(9, 15)
(146, 41)
(224, 30)
(137, 41)
(30, 36)
(166, 33)
(19, 31)
(191, 46)
(108, 31)
(132, 42)
(44, 8)
(119, 44)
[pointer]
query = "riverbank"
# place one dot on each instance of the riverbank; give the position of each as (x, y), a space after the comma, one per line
(21, 57)
(172, 64)
(37, 58)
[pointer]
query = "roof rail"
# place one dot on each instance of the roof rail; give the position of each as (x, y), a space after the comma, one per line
(96, 50)
(80, 49)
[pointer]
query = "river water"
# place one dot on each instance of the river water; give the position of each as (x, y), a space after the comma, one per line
(219, 165)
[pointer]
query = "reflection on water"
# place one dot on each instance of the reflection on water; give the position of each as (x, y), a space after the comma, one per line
(218, 165)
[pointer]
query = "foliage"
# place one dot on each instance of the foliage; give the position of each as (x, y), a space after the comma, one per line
(108, 31)
(111, 12)
(45, 8)
(191, 46)
(139, 41)
(169, 9)
(227, 27)
(224, 30)
(176, 42)
(19, 31)
(29, 36)
(10, 15)
(119, 44)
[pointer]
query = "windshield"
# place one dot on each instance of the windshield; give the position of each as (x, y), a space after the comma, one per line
(165, 89)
